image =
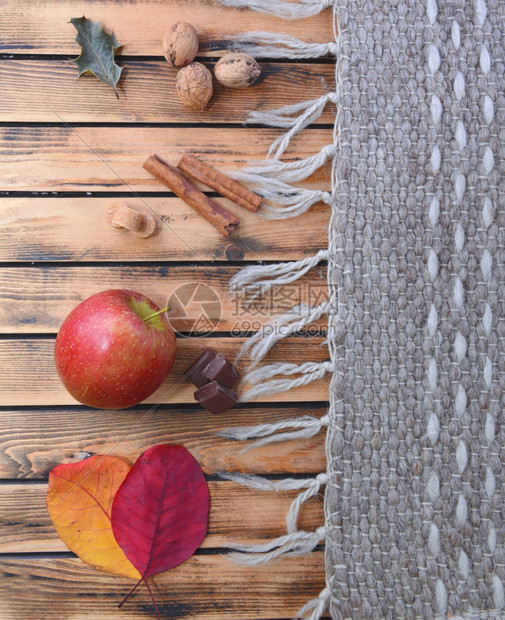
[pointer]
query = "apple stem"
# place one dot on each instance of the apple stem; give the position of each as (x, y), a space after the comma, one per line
(155, 314)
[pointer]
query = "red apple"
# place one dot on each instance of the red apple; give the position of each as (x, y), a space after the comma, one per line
(114, 349)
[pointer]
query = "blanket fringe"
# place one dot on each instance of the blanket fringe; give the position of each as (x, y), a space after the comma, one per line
(308, 371)
(296, 543)
(261, 44)
(286, 10)
(288, 324)
(289, 172)
(283, 201)
(258, 279)
(310, 486)
(305, 427)
(275, 181)
(317, 605)
(284, 117)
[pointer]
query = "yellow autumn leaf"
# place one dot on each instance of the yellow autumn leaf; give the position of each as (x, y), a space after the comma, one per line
(79, 500)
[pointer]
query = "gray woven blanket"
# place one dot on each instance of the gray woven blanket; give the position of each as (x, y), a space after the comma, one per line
(415, 483)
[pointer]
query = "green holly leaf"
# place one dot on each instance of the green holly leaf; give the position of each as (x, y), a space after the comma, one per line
(97, 52)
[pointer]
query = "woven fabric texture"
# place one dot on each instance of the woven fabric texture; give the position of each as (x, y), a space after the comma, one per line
(416, 440)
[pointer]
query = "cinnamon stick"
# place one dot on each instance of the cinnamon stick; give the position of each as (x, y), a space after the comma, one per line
(220, 182)
(224, 221)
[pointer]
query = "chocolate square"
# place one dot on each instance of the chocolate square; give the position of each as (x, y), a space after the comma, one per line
(195, 370)
(221, 370)
(215, 397)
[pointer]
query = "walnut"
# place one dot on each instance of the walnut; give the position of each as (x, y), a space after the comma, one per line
(194, 85)
(180, 44)
(237, 70)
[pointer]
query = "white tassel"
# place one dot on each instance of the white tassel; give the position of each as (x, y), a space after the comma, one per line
(287, 10)
(311, 486)
(292, 171)
(283, 117)
(296, 543)
(317, 606)
(283, 201)
(309, 371)
(311, 491)
(259, 483)
(298, 317)
(260, 278)
(303, 199)
(262, 44)
(307, 426)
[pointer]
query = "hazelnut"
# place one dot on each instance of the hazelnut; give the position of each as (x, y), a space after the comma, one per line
(194, 85)
(237, 70)
(180, 44)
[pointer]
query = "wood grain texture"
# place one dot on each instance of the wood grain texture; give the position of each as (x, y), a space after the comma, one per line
(74, 230)
(57, 249)
(206, 587)
(41, 26)
(33, 309)
(89, 159)
(36, 90)
(33, 441)
(237, 514)
(29, 376)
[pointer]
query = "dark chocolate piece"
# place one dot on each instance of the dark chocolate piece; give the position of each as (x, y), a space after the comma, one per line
(221, 370)
(215, 397)
(195, 370)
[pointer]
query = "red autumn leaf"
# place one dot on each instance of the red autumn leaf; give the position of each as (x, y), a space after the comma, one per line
(160, 512)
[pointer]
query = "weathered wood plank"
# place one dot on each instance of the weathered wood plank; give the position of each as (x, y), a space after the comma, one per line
(49, 91)
(29, 377)
(32, 309)
(92, 159)
(50, 159)
(206, 587)
(237, 514)
(74, 230)
(41, 27)
(33, 441)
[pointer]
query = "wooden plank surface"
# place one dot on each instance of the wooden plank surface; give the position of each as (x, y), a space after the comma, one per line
(33, 441)
(29, 376)
(74, 230)
(41, 26)
(67, 148)
(109, 159)
(239, 515)
(65, 588)
(34, 310)
(47, 90)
